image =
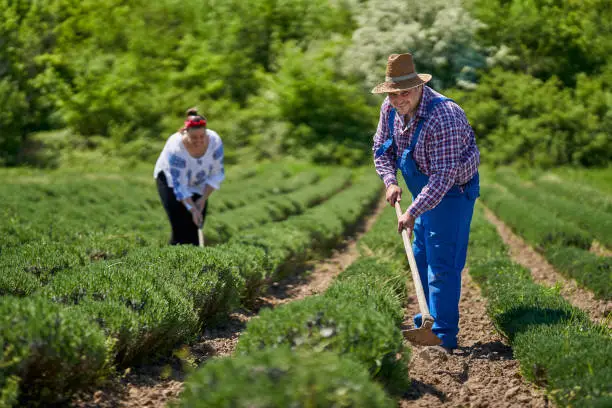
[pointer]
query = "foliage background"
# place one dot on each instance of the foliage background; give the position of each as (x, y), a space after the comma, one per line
(292, 77)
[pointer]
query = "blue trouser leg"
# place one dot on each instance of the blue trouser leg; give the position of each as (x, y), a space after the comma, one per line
(446, 230)
(420, 256)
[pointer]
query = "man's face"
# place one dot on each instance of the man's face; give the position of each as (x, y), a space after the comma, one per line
(406, 101)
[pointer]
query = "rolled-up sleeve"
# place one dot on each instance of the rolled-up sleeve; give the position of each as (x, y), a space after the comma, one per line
(385, 163)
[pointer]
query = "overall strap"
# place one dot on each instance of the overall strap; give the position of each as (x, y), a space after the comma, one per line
(385, 146)
(436, 101)
(430, 107)
(391, 120)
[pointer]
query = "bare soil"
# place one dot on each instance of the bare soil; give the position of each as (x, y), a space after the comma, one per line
(544, 273)
(600, 250)
(482, 372)
(156, 384)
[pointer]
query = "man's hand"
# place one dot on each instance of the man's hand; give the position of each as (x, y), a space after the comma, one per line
(196, 216)
(394, 193)
(406, 221)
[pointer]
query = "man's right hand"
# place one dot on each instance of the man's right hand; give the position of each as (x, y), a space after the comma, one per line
(196, 216)
(394, 193)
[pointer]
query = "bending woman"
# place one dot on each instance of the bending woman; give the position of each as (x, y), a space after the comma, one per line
(187, 171)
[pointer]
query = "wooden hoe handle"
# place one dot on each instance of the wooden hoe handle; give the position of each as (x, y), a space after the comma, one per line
(416, 278)
(201, 236)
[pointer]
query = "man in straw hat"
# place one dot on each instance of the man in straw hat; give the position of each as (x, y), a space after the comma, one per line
(428, 138)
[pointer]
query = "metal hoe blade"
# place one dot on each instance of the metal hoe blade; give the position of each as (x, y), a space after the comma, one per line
(423, 336)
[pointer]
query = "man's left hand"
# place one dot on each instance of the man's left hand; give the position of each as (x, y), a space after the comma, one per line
(406, 221)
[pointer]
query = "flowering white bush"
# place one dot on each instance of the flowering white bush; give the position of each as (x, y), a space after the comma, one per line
(438, 33)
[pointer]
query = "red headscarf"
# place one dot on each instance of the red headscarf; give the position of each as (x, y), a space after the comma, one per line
(195, 122)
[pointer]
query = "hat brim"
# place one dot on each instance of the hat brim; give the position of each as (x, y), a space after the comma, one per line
(385, 87)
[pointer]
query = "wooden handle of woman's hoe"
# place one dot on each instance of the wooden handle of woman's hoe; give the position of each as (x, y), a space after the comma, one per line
(416, 278)
(201, 236)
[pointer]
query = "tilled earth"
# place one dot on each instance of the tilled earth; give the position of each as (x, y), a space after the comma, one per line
(480, 373)
(159, 383)
(545, 274)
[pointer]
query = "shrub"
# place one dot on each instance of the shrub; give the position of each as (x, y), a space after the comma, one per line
(533, 222)
(48, 351)
(525, 121)
(319, 323)
(573, 362)
(383, 239)
(390, 273)
(550, 39)
(164, 314)
(440, 34)
(372, 284)
(588, 269)
(282, 378)
(589, 196)
(308, 109)
(555, 343)
(596, 223)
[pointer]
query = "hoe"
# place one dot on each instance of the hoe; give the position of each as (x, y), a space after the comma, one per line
(423, 336)
(201, 235)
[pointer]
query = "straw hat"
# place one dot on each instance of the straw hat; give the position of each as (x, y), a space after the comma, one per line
(401, 75)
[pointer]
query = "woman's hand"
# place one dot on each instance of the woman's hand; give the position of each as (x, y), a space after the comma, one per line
(200, 202)
(406, 221)
(394, 193)
(196, 215)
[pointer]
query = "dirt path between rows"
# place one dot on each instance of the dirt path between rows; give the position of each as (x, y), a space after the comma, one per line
(545, 274)
(598, 249)
(157, 384)
(480, 373)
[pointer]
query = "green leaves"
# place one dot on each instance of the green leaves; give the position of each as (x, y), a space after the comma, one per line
(12, 117)
(281, 378)
(129, 70)
(551, 38)
(293, 77)
(133, 295)
(557, 345)
(522, 120)
(51, 349)
(324, 115)
(328, 322)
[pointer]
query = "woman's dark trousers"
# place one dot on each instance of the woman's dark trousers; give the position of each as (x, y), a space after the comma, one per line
(184, 231)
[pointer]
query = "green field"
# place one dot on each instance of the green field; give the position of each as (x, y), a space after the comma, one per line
(88, 278)
(90, 90)
(100, 269)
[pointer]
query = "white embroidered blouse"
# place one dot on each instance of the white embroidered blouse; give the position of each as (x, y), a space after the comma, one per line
(186, 174)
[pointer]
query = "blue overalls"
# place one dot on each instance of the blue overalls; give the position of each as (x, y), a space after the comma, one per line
(440, 237)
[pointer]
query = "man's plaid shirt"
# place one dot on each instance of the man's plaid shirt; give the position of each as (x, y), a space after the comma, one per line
(446, 150)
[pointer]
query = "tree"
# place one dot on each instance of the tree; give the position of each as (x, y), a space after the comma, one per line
(550, 37)
(439, 33)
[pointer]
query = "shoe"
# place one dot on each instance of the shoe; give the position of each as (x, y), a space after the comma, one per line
(435, 353)
(417, 320)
